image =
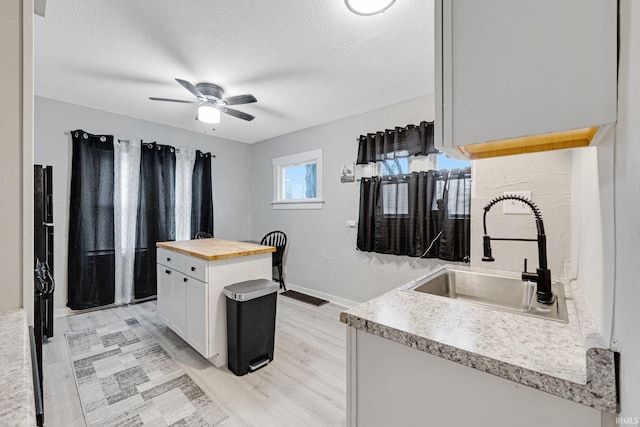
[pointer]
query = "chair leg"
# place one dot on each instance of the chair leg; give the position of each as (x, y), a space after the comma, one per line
(281, 278)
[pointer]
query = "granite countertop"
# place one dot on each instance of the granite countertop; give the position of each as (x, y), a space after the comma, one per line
(215, 249)
(568, 360)
(17, 407)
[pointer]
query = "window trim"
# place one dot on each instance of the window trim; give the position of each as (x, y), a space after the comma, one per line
(279, 164)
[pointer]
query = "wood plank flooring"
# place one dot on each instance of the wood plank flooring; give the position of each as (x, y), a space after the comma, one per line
(305, 385)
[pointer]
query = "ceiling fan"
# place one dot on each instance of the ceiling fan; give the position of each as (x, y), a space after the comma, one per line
(211, 101)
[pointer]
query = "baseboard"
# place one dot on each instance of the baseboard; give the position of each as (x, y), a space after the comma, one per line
(66, 311)
(332, 298)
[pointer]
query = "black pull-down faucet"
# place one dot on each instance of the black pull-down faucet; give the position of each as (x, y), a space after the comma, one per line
(542, 276)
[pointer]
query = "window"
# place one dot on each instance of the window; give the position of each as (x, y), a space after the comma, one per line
(446, 162)
(297, 181)
(397, 166)
(395, 198)
(405, 165)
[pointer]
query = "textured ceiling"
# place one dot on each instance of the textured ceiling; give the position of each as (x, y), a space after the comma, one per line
(307, 62)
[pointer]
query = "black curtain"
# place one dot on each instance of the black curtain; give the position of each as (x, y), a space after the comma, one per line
(403, 214)
(410, 140)
(369, 190)
(202, 195)
(91, 259)
(455, 241)
(156, 213)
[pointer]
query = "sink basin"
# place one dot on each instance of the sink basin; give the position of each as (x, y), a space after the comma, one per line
(499, 292)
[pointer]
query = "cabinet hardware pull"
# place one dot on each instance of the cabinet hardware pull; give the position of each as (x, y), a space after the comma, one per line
(168, 259)
(193, 269)
(168, 271)
(185, 279)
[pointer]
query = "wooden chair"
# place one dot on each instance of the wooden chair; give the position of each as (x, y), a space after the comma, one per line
(279, 240)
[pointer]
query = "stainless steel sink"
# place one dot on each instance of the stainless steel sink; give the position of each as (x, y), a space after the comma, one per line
(499, 292)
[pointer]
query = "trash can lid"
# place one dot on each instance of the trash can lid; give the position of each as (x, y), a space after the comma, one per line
(251, 289)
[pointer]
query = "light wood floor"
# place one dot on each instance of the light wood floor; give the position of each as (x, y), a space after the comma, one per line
(305, 385)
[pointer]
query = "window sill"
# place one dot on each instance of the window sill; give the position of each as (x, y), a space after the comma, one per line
(298, 204)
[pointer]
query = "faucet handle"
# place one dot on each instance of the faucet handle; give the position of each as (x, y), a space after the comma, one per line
(528, 277)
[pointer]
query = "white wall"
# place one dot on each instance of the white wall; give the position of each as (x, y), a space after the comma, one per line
(626, 330)
(322, 254)
(11, 159)
(592, 229)
(548, 176)
(230, 168)
(322, 251)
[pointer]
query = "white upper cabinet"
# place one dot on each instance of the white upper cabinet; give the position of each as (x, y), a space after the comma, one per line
(514, 68)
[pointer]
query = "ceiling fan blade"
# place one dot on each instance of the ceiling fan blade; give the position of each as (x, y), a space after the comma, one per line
(240, 99)
(191, 88)
(236, 113)
(171, 100)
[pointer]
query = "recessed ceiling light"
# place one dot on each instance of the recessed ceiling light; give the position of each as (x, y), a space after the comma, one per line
(368, 7)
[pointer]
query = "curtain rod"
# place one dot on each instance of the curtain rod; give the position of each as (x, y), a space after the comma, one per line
(68, 132)
(396, 129)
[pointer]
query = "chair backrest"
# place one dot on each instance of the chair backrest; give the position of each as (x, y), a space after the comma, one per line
(279, 240)
(203, 235)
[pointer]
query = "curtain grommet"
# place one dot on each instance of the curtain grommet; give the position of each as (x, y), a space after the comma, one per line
(85, 136)
(103, 138)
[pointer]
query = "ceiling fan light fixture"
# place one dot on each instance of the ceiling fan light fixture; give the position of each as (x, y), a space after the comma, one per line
(208, 114)
(368, 7)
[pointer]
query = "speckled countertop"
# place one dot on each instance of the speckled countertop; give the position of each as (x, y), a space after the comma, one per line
(17, 406)
(568, 360)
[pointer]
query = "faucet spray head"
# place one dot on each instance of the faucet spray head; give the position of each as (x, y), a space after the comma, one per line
(486, 246)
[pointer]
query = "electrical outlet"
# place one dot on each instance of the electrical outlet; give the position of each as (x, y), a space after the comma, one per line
(513, 207)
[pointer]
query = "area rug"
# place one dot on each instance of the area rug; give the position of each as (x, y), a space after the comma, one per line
(125, 378)
(305, 298)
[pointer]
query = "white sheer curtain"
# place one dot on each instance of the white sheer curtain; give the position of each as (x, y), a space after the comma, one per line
(125, 197)
(185, 159)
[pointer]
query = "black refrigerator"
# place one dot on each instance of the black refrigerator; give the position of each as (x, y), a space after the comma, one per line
(43, 242)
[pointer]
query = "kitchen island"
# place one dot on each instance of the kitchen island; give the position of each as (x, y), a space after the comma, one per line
(418, 359)
(191, 276)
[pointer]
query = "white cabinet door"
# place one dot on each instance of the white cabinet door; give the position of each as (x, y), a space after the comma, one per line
(164, 275)
(172, 299)
(197, 315)
(513, 68)
(178, 303)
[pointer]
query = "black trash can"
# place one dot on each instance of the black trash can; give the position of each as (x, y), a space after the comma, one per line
(251, 324)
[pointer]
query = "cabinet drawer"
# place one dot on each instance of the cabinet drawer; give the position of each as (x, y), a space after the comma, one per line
(196, 268)
(171, 259)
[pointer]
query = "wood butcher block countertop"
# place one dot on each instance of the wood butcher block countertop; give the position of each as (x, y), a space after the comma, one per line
(215, 249)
